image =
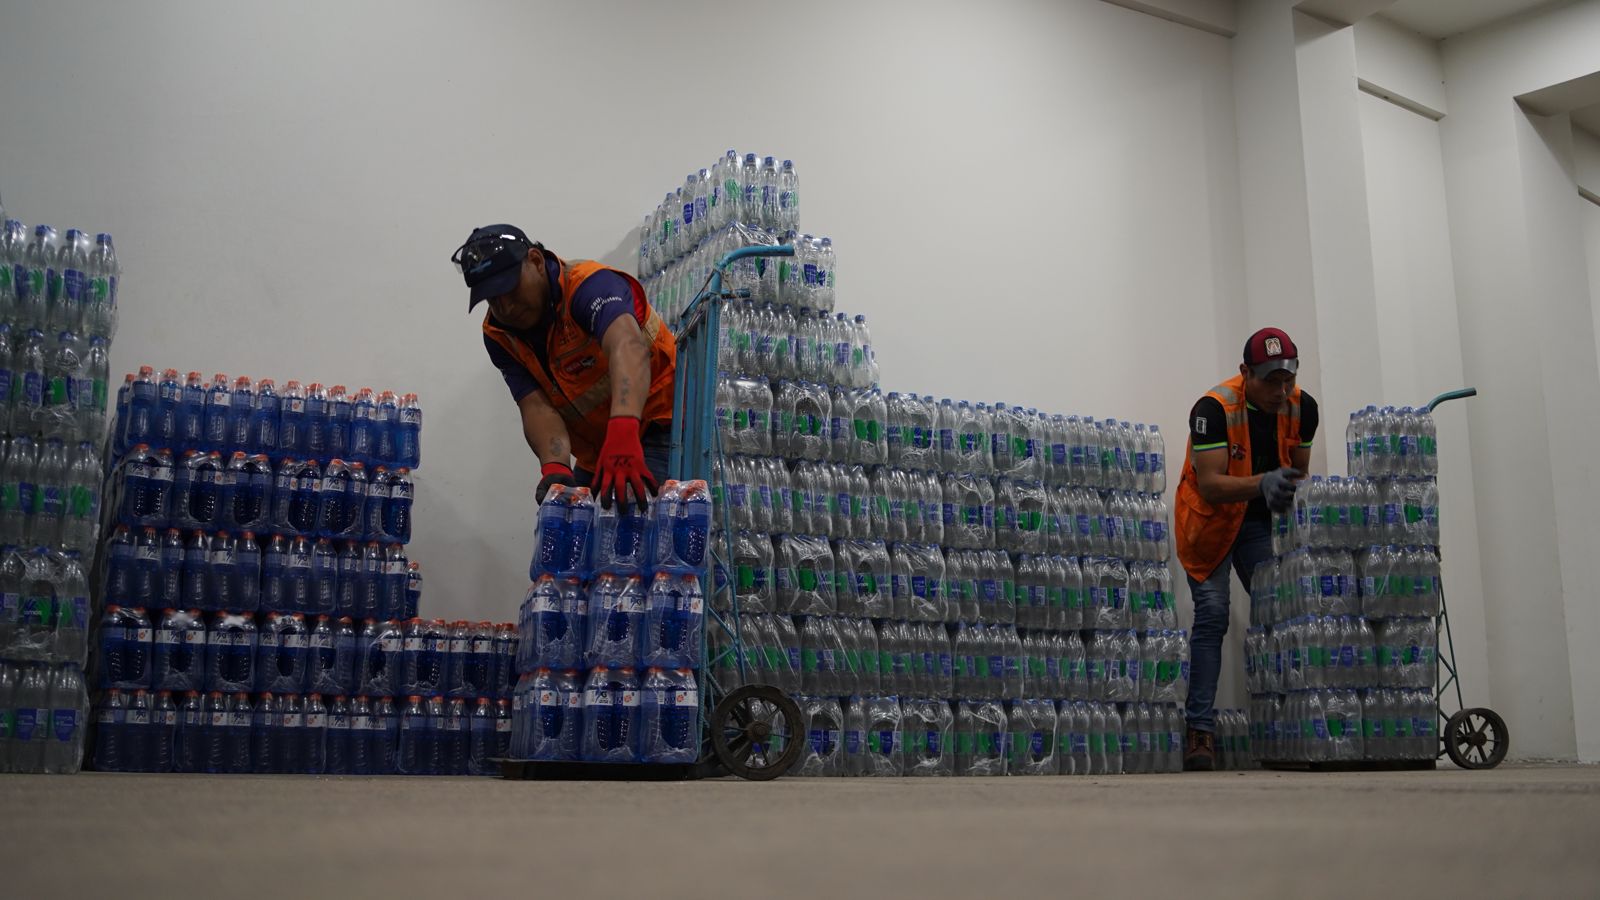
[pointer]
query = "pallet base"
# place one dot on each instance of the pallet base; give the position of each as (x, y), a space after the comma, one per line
(544, 770)
(1372, 765)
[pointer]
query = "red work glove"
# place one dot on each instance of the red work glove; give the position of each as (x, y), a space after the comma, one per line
(552, 474)
(621, 465)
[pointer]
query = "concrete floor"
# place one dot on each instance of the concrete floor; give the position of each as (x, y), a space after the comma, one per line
(1524, 831)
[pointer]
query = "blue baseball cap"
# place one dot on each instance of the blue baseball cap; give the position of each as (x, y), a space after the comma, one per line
(490, 260)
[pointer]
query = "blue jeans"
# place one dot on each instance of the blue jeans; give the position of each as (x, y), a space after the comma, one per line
(657, 443)
(1252, 546)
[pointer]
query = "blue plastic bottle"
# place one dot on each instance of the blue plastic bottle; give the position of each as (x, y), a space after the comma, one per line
(121, 553)
(221, 578)
(387, 740)
(397, 506)
(169, 394)
(214, 734)
(692, 528)
(340, 415)
(192, 414)
(555, 716)
(246, 497)
(483, 740)
(369, 593)
(580, 527)
(315, 440)
(274, 560)
(297, 575)
(240, 732)
(416, 738)
(170, 569)
(241, 413)
(111, 719)
(140, 426)
(413, 588)
(189, 740)
(264, 418)
(388, 412)
(147, 583)
(670, 717)
(550, 542)
(214, 427)
(196, 580)
(611, 716)
(392, 582)
(674, 622)
(314, 736)
(246, 589)
(337, 756)
(347, 584)
(364, 429)
(615, 614)
(264, 732)
(324, 578)
(230, 653)
(408, 432)
(453, 738)
(291, 436)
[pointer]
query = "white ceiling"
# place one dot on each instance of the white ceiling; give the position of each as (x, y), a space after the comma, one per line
(1439, 19)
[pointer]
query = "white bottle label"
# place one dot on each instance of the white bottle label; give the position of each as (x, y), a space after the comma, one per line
(413, 644)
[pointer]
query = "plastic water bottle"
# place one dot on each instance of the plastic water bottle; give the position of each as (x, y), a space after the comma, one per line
(611, 716)
(105, 272)
(408, 432)
(670, 716)
(188, 742)
(365, 428)
(674, 622)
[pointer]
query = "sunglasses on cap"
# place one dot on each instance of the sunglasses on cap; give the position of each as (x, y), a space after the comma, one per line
(489, 253)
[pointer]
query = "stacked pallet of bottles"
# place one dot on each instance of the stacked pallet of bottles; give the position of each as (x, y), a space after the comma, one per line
(1341, 661)
(58, 313)
(256, 607)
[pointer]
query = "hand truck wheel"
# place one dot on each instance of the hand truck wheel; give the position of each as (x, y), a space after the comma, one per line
(756, 732)
(1476, 738)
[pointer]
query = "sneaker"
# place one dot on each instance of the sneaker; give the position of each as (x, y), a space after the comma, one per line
(1199, 751)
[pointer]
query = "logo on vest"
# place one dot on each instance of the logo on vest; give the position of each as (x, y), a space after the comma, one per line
(1236, 451)
(577, 365)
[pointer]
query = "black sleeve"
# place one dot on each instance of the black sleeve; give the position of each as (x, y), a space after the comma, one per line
(518, 379)
(1309, 419)
(1208, 425)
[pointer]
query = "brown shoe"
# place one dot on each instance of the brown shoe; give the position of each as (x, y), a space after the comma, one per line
(1199, 751)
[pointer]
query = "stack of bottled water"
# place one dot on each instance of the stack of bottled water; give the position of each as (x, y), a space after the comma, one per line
(730, 205)
(57, 316)
(951, 588)
(298, 694)
(44, 702)
(612, 630)
(287, 578)
(1341, 659)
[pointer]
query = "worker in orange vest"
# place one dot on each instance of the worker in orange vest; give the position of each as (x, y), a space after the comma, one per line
(588, 361)
(1249, 446)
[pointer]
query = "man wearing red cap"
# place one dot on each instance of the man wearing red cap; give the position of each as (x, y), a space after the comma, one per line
(588, 361)
(1249, 445)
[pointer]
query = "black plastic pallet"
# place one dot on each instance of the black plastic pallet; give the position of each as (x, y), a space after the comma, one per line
(545, 770)
(1367, 765)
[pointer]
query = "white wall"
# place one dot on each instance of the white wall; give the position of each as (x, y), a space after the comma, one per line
(1419, 344)
(1034, 203)
(1527, 323)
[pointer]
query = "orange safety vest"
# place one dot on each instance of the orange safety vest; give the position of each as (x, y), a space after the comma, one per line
(1205, 531)
(578, 383)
